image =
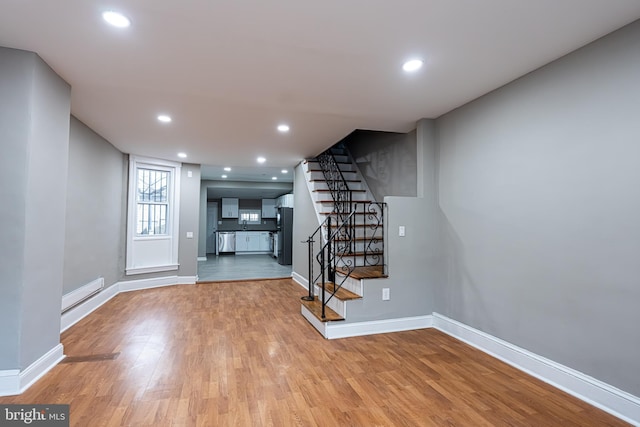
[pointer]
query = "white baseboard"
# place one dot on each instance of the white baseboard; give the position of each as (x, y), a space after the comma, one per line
(300, 280)
(139, 284)
(595, 392)
(335, 330)
(14, 382)
(344, 330)
(85, 308)
(187, 280)
(82, 293)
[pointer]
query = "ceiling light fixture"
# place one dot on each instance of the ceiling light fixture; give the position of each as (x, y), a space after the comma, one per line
(283, 128)
(274, 178)
(261, 159)
(412, 65)
(284, 171)
(164, 118)
(116, 19)
(227, 169)
(224, 176)
(182, 155)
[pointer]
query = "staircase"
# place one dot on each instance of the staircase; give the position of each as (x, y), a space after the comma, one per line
(347, 248)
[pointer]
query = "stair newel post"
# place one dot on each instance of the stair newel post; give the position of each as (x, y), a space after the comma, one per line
(310, 296)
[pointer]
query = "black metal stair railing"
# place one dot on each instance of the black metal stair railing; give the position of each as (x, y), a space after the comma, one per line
(350, 237)
(333, 248)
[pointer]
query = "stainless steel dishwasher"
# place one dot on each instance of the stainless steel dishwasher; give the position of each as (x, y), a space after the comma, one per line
(226, 242)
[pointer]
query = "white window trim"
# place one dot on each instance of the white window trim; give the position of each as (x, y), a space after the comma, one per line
(136, 262)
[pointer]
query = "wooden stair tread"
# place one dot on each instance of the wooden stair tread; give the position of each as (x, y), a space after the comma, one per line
(342, 293)
(315, 307)
(370, 272)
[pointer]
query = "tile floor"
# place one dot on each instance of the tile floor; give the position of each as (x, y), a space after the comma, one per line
(240, 267)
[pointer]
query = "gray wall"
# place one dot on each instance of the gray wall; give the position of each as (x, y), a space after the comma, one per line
(94, 220)
(35, 105)
(15, 86)
(189, 220)
(305, 223)
(539, 189)
(387, 160)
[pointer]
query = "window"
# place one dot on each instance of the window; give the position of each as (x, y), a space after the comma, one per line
(152, 202)
(152, 221)
(249, 216)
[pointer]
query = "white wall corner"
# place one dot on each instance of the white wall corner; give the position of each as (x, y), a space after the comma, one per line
(595, 392)
(13, 382)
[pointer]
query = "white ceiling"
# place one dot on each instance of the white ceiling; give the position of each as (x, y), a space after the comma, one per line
(229, 71)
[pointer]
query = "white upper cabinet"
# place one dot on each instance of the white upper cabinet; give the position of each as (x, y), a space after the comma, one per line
(269, 208)
(230, 207)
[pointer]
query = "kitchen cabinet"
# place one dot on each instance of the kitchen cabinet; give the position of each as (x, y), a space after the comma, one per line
(265, 242)
(253, 241)
(269, 208)
(229, 207)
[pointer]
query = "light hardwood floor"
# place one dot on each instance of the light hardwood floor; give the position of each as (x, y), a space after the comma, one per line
(240, 354)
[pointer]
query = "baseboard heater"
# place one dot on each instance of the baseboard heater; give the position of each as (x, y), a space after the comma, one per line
(74, 298)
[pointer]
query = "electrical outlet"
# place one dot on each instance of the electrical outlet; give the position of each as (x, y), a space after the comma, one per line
(385, 294)
(401, 231)
(189, 234)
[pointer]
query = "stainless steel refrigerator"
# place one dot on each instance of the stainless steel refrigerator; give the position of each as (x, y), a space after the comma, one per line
(284, 220)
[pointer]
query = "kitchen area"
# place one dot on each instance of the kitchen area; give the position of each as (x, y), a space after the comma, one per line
(247, 238)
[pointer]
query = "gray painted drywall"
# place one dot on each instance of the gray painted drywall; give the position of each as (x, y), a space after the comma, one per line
(538, 184)
(16, 76)
(387, 160)
(189, 220)
(305, 223)
(38, 137)
(94, 209)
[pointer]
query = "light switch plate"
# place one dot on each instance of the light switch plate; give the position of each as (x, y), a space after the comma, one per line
(401, 231)
(385, 294)
(189, 234)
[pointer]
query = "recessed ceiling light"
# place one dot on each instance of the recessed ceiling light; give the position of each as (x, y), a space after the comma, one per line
(116, 19)
(224, 176)
(284, 171)
(227, 169)
(164, 118)
(412, 65)
(274, 178)
(261, 160)
(283, 128)
(182, 155)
